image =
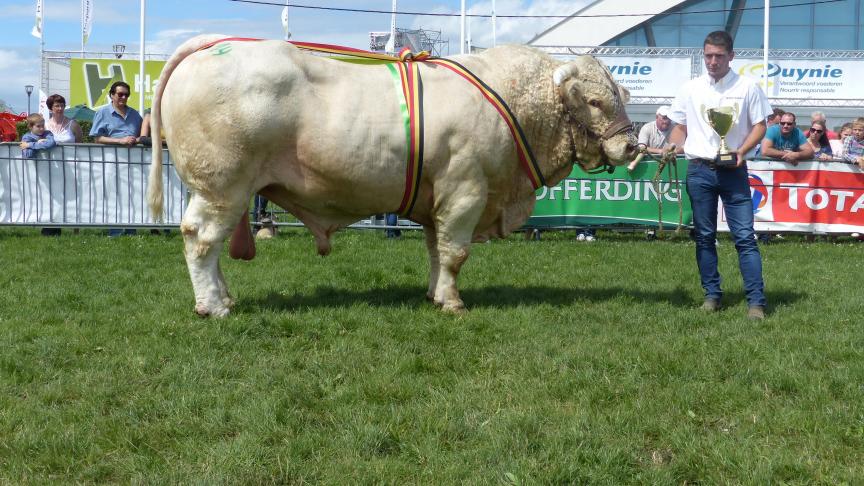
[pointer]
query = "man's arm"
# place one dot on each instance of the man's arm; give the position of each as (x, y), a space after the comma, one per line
(678, 136)
(757, 134)
(768, 149)
(116, 141)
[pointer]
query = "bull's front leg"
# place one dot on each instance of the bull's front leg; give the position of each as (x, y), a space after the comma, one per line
(456, 218)
(434, 262)
(205, 227)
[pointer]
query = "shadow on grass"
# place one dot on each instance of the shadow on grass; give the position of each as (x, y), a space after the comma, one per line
(492, 296)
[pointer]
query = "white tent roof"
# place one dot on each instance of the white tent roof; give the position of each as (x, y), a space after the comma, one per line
(584, 28)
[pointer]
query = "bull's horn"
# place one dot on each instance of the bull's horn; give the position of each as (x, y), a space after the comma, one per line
(564, 72)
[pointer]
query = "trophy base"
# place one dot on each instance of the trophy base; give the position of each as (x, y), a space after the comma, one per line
(726, 160)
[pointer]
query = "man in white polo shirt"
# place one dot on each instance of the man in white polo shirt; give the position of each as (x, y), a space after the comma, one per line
(721, 87)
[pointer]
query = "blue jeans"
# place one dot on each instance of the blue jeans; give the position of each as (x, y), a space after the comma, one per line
(392, 219)
(260, 209)
(704, 186)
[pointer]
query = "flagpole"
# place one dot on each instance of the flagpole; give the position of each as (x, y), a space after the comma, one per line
(494, 37)
(462, 31)
(142, 84)
(765, 46)
(42, 74)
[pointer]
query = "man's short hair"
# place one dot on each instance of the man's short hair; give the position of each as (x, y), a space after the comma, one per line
(794, 118)
(33, 119)
(858, 122)
(55, 98)
(776, 114)
(719, 38)
(119, 83)
(818, 115)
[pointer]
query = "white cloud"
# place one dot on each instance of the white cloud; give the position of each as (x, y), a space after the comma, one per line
(508, 30)
(18, 70)
(165, 41)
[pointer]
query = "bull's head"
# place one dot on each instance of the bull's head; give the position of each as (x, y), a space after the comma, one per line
(599, 130)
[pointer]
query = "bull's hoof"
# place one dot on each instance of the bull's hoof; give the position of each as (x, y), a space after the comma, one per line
(456, 308)
(204, 311)
(228, 302)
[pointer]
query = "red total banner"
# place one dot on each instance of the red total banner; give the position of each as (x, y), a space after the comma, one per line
(813, 197)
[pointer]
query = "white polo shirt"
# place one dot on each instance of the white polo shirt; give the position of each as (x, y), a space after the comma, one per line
(699, 94)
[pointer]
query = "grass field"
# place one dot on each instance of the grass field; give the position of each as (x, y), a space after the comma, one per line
(576, 364)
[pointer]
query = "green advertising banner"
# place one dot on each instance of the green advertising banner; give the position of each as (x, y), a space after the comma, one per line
(91, 79)
(621, 197)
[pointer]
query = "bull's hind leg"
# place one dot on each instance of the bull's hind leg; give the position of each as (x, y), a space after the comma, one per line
(205, 227)
(456, 218)
(434, 263)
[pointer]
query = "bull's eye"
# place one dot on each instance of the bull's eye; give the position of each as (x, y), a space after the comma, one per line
(595, 103)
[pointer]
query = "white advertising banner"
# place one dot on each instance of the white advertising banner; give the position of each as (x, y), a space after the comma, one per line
(832, 79)
(83, 184)
(652, 77)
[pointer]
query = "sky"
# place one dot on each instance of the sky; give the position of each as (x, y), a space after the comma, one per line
(170, 22)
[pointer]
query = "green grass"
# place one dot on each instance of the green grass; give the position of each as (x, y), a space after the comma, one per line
(576, 364)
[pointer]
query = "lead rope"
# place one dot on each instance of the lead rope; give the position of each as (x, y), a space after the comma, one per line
(670, 160)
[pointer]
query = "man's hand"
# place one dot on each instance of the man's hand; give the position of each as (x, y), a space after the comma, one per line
(741, 158)
(861, 162)
(791, 157)
(130, 140)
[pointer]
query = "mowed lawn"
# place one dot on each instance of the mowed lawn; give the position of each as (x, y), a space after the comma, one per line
(577, 363)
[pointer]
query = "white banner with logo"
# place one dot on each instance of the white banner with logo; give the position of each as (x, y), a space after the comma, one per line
(649, 76)
(824, 79)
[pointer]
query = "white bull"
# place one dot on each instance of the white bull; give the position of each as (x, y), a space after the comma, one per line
(325, 140)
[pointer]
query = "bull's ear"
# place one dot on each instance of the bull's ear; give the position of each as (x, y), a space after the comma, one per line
(625, 94)
(564, 72)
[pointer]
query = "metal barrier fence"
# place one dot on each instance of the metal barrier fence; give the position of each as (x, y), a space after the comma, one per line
(84, 185)
(101, 186)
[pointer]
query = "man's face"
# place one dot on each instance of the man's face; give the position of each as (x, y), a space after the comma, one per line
(717, 60)
(787, 124)
(663, 122)
(858, 132)
(120, 96)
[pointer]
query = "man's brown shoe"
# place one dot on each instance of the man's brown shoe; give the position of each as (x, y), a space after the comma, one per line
(711, 305)
(756, 312)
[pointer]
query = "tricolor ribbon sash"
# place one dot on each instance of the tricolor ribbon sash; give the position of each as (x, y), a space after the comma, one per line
(408, 74)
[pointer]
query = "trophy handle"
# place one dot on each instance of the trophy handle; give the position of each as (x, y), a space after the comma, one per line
(704, 112)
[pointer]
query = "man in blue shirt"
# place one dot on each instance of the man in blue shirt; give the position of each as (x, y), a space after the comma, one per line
(787, 142)
(117, 123)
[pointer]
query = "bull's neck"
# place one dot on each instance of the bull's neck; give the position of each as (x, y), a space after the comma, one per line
(535, 102)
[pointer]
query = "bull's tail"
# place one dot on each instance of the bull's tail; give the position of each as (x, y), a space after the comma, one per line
(155, 194)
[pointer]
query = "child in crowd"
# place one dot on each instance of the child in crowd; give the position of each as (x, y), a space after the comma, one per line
(853, 147)
(37, 138)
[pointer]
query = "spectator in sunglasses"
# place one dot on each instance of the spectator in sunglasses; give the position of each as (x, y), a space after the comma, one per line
(818, 140)
(819, 117)
(117, 123)
(786, 142)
